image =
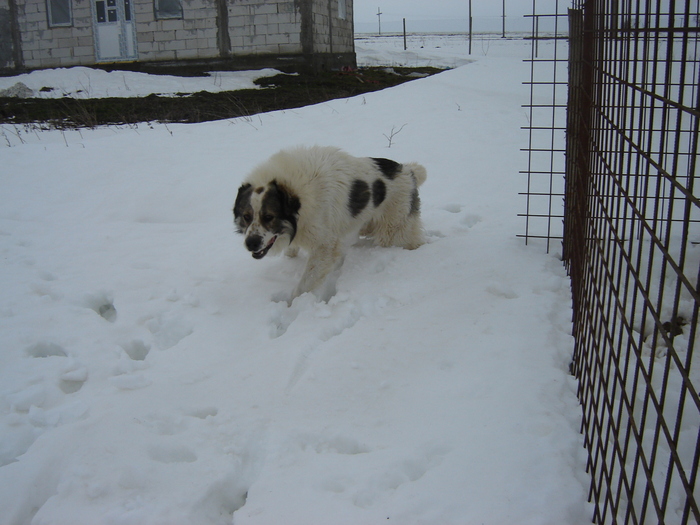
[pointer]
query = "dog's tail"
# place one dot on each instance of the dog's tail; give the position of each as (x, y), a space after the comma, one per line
(418, 171)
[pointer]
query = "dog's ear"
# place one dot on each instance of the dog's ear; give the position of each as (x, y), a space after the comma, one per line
(290, 202)
(242, 199)
(244, 187)
(241, 205)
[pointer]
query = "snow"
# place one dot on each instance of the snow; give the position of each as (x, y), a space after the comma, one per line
(84, 82)
(147, 375)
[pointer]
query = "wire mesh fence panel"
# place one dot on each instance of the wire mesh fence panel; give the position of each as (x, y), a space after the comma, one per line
(631, 244)
(544, 174)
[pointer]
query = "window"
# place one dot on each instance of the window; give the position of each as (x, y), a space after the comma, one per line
(59, 13)
(168, 9)
(342, 11)
(106, 11)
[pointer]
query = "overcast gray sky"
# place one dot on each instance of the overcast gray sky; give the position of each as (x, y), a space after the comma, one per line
(431, 15)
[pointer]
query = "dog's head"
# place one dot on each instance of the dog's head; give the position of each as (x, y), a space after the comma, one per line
(267, 216)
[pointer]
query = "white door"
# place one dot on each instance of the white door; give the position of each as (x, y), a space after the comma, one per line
(115, 31)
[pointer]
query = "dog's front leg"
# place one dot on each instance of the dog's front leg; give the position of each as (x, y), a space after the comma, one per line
(322, 261)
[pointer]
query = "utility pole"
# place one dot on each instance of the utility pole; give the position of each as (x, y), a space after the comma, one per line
(470, 27)
(404, 35)
(379, 17)
(504, 19)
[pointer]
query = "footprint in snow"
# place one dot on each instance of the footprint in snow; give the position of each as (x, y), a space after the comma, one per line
(434, 234)
(398, 473)
(73, 378)
(169, 329)
(136, 349)
(453, 208)
(502, 290)
(74, 374)
(470, 220)
(45, 349)
(102, 303)
(47, 276)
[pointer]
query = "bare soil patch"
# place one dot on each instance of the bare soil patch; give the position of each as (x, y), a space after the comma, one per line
(283, 91)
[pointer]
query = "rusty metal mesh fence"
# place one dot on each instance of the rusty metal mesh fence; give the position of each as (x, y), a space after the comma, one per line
(546, 113)
(631, 244)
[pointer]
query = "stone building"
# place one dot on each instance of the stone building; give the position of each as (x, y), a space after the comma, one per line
(37, 34)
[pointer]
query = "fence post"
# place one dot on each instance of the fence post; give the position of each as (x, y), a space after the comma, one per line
(577, 163)
(573, 138)
(404, 35)
(470, 27)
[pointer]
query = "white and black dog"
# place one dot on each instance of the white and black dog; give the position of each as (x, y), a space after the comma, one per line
(321, 199)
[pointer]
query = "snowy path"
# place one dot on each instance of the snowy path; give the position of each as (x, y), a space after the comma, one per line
(148, 377)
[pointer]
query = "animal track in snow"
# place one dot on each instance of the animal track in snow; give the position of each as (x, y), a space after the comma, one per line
(47, 276)
(453, 208)
(33, 396)
(169, 329)
(470, 220)
(136, 349)
(102, 303)
(339, 315)
(227, 495)
(45, 349)
(73, 379)
(502, 290)
(335, 318)
(165, 424)
(434, 234)
(283, 317)
(396, 474)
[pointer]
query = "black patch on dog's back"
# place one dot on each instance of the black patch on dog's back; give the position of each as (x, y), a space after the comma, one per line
(359, 197)
(389, 168)
(378, 192)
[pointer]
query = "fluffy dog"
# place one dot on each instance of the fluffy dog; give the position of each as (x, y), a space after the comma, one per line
(321, 199)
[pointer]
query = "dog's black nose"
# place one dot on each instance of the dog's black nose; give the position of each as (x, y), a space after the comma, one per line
(254, 243)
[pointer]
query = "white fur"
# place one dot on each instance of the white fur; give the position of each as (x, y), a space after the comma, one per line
(322, 177)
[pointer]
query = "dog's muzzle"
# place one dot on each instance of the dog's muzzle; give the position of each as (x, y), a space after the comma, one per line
(254, 243)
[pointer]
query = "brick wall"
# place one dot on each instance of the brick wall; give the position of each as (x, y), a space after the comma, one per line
(259, 27)
(332, 34)
(192, 36)
(44, 46)
(7, 57)
(255, 27)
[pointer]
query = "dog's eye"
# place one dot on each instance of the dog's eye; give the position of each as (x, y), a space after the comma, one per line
(247, 217)
(268, 218)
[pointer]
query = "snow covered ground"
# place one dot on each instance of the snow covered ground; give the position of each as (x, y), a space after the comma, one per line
(84, 82)
(147, 376)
